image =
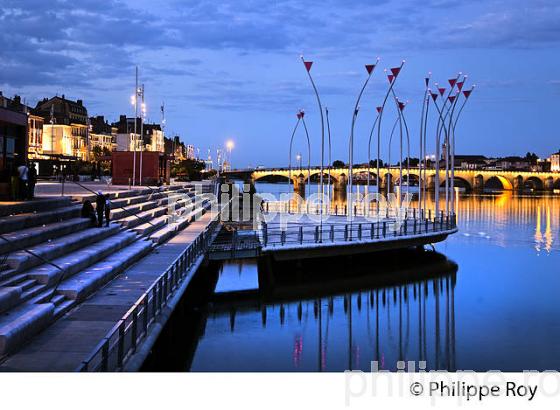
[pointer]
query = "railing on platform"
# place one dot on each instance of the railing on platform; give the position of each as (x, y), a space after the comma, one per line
(274, 234)
(122, 340)
(359, 209)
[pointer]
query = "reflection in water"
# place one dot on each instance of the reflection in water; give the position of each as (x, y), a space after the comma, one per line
(499, 311)
(494, 216)
(324, 318)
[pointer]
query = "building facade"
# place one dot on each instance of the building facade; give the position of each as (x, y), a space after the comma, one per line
(102, 135)
(65, 133)
(555, 162)
(13, 147)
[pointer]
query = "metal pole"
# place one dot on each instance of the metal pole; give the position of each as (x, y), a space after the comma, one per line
(369, 149)
(142, 133)
(308, 65)
(290, 153)
(134, 136)
(370, 68)
(308, 151)
(466, 93)
(330, 163)
(392, 79)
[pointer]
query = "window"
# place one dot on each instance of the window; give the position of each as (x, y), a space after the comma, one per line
(10, 147)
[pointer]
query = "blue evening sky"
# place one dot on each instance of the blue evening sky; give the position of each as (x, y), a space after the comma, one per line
(231, 69)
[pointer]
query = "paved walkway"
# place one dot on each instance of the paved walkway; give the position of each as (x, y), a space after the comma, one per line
(53, 188)
(64, 345)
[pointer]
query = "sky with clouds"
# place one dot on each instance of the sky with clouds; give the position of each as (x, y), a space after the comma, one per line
(231, 69)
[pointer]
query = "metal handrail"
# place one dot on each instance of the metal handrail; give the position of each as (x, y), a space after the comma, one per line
(121, 341)
(294, 207)
(275, 235)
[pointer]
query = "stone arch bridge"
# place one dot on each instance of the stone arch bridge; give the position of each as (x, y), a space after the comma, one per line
(469, 179)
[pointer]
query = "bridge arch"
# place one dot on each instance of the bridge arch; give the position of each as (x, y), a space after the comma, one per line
(275, 177)
(413, 178)
(556, 184)
(360, 175)
(459, 182)
(316, 176)
(534, 183)
(498, 182)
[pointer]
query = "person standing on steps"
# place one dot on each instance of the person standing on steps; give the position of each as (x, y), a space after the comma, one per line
(32, 180)
(107, 210)
(23, 174)
(100, 208)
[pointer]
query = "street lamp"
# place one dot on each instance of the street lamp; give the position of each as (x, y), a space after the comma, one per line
(142, 118)
(229, 146)
(298, 159)
(369, 68)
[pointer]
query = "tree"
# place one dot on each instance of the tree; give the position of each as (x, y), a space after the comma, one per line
(188, 169)
(97, 153)
(338, 164)
(373, 163)
(531, 158)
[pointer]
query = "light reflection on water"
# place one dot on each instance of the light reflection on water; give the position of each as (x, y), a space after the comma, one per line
(500, 309)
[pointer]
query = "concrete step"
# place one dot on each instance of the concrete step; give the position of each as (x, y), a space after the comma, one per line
(143, 217)
(146, 217)
(9, 296)
(149, 197)
(20, 324)
(153, 225)
(81, 285)
(63, 307)
(169, 230)
(25, 290)
(32, 236)
(138, 192)
(130, 211)
(57, 299)
(80, 259)
(115, 203)
(23, 221)
(37, 205)
(21, 260)
(19, 291)
(13, 280)
(27, 284)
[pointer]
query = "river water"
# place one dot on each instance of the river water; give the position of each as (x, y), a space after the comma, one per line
(487, 298)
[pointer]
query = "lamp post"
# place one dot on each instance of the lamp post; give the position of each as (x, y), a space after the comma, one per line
(299, 117)
(229, 146)
(369, 68)
(392, 78)
(298, 159)
(308, 65)
(143, 116)
(134, 102)
(467, 94)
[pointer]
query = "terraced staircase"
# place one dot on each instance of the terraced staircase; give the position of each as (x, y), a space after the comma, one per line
(52, 259)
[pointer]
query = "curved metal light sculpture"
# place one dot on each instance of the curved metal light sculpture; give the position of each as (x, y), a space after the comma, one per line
(466, 94)
(290, 152)
(422, 163)
(308, 150)
(392, 78)
(369, 145)
(308, 65)
(440, 120)
(329, 160)
(300, 118)
(370, 69)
